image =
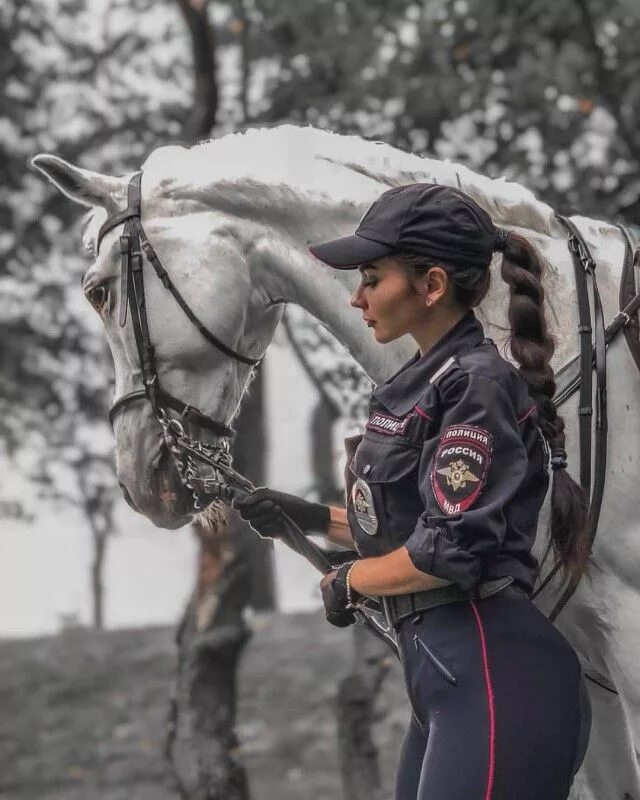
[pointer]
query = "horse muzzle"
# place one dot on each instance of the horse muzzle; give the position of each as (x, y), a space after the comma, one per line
(149, 478)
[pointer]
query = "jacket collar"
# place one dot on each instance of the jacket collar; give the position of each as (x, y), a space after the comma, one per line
(400, 393)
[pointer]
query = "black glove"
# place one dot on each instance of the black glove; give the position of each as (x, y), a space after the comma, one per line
(263, 509)
(335, 597)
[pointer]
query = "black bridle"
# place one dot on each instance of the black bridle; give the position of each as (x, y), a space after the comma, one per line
(133, 244)
(222, 481)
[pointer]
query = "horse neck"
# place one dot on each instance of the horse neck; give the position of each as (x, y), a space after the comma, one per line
(286, 221)
(287, 272)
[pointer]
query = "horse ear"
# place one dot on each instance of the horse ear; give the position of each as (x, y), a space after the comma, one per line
(81, 185)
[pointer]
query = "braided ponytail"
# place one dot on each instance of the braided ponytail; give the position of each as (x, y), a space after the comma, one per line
(532, 347)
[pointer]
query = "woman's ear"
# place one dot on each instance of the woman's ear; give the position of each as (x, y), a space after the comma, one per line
(436, 282)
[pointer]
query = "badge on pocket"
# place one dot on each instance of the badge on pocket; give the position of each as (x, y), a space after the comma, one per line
(362, 501)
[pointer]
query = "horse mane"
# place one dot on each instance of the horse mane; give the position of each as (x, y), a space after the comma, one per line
(336, 166)
(282, 164)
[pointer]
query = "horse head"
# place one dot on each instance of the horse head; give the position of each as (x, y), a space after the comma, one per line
(211, 269)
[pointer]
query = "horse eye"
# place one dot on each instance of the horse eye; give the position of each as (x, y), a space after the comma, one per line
(97, 297)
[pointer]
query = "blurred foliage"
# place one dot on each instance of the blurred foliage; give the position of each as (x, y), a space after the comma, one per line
(543, 93)
(81, 81)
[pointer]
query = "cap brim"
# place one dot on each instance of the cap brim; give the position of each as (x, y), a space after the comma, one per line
(349, 252)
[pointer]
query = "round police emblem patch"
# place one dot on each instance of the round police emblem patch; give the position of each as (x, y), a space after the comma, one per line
(362, 501)
(460, 467)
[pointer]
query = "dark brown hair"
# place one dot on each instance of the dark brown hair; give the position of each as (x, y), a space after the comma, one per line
(532, 347)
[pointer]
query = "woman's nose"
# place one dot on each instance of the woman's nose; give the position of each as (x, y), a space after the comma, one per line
(357, 299)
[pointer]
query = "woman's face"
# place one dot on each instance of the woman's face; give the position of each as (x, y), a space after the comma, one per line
(390, 303)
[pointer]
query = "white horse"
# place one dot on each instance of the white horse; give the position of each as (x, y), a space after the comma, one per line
(231, 221)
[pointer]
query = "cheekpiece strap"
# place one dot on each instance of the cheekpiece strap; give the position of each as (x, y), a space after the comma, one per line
(132, 210)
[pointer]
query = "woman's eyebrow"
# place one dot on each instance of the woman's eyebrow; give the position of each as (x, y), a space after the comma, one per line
(362, 267)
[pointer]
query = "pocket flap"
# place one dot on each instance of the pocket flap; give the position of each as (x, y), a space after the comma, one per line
(383, 462)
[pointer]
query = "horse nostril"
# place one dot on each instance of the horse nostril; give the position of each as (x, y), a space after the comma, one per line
(127, 496)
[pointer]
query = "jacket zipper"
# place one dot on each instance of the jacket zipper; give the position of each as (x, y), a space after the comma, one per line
(435, 660)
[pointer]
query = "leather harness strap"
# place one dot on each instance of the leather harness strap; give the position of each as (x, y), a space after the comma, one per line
(593, 355)
(133, 245)
(585, 267)
(629, 291)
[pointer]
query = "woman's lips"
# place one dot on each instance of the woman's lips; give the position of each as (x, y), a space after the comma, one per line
(370, 323)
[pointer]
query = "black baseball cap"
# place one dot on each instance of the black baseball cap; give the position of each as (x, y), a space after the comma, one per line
(427, 219)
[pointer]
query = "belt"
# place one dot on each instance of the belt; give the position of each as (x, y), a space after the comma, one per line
(400, 606)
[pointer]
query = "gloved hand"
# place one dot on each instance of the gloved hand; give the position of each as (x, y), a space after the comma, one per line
(263, 509)
(335, 597)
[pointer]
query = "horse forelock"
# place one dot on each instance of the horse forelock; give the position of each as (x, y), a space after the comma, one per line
(91, 224)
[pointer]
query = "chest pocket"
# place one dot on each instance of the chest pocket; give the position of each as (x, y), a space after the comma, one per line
(384, 501)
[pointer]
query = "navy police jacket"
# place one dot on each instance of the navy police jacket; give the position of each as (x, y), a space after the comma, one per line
(452, 464)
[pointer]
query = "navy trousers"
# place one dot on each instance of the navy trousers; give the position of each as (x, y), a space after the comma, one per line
(500, 710)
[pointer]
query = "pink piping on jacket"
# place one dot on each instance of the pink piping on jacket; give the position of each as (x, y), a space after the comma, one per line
(422, 413)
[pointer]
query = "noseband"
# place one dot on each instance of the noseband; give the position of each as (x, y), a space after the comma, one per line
(134, 244)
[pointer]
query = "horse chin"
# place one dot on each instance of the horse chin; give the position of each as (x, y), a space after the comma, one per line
(166, 505)
(151, 484)
(169, 504)
(149, 477)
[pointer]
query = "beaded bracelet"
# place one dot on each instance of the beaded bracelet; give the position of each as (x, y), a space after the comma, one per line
(347, 580)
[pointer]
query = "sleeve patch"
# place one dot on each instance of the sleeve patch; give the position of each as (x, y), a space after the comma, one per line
(460, 467)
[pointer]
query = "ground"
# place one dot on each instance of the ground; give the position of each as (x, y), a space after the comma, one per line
(82, 714)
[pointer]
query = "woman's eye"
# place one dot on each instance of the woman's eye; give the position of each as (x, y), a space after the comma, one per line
(368, 282)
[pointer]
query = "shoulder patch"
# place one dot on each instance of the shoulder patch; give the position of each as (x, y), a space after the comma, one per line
(460, 467)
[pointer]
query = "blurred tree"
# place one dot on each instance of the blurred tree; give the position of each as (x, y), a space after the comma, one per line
(543, 94)
(204, 107)
(66, 90)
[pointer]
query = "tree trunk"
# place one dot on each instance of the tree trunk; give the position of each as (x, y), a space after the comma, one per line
(97, 589)
(242, 29)
(322, 457)
(234, 571)
(201, 742)
(249, 458)
(205, 102)
(357, 694)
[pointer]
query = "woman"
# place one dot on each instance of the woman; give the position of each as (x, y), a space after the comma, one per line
(444, 490)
